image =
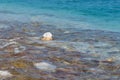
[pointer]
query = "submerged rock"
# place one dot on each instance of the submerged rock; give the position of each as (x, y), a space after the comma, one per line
(45, 66)
(5, 74)
(4, 26)
(19, 49)
(21, 64)
(47, 36)
(4, 44)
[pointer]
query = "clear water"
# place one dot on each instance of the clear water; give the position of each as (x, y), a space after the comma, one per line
(91, 14)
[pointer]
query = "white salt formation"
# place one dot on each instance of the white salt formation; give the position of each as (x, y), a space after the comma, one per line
(5, 74)
(47, 36)
(45, 66)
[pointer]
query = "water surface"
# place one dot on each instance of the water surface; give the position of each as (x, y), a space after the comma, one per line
(97, 14)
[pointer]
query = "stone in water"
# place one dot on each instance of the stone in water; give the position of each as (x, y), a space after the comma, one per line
(45, 66)
(47, 36)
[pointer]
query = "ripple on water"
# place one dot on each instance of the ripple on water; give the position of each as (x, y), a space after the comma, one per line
(75, 54)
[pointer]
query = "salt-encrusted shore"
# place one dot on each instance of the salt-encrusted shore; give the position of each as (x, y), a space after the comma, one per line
(73, 54)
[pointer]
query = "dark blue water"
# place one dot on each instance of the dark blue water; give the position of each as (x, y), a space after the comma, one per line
(93, 14)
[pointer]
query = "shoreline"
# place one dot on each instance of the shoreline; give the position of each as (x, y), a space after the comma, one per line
(58, 21)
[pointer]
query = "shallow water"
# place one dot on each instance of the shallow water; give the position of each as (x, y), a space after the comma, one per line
(77, 54)
(86, 41)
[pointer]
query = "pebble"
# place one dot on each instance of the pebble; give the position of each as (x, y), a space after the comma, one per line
(45, 66)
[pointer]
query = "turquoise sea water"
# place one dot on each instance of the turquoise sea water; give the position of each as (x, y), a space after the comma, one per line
(90, 14)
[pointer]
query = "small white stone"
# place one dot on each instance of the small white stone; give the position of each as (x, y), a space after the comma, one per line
(47, 34)
(45, 66)
(5, 74)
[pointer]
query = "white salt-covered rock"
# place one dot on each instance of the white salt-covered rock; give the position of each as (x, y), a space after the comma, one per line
(45, 66)
(47, 36)
(5, 74)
